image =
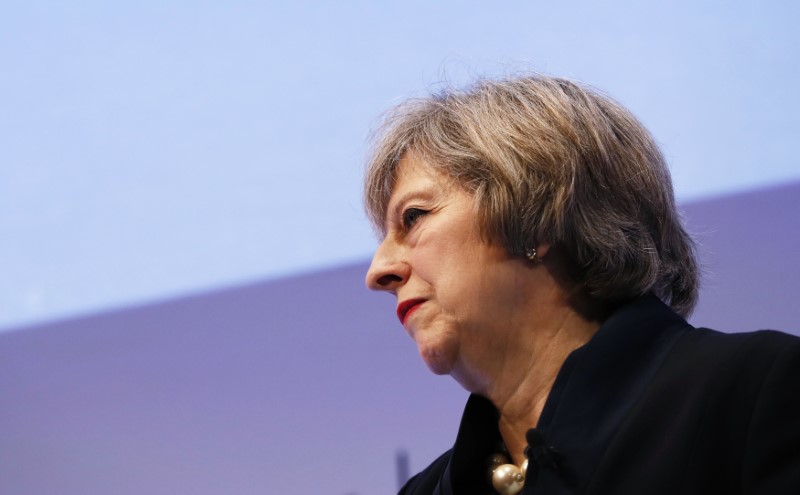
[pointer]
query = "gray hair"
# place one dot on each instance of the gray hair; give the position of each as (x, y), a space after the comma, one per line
(550, 161)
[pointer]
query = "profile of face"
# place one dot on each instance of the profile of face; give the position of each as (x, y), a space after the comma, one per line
(457, 294)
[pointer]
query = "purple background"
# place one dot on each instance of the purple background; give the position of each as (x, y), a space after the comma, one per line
(303, 385)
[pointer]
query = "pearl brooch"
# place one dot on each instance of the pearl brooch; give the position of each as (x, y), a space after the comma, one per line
(507, 478)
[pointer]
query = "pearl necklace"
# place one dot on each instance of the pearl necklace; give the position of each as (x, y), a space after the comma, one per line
(507, 478)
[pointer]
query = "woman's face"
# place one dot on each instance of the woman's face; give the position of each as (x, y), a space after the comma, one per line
(457, 295)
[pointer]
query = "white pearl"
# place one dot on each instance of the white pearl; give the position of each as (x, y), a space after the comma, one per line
(524, 467)
(508, 479)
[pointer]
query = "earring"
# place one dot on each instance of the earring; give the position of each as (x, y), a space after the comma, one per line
(530, 253)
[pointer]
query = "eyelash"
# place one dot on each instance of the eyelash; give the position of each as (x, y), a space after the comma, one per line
(410, 217)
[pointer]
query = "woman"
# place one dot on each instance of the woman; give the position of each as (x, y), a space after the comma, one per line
(530, 236)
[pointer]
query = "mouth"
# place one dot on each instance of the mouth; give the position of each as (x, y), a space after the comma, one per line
(405, 308)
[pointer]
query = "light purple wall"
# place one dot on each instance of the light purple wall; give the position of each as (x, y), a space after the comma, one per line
(302, 385)
(749, 245)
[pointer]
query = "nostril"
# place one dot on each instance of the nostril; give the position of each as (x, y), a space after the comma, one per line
(388, 280)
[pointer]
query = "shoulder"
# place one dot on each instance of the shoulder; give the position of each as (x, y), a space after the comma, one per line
(731, 370)
(763, 339)
(771, 462)
(747, 385)
(721, 415)
(745, 354)
(426, 481)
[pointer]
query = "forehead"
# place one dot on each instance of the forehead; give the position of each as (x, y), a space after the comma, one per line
(412, 168)
(414, 176)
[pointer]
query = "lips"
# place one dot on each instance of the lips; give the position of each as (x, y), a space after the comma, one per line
(405, 308)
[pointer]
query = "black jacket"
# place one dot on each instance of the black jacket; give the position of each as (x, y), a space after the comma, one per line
(649, 406)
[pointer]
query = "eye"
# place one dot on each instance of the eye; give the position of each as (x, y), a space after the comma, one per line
(410, 217)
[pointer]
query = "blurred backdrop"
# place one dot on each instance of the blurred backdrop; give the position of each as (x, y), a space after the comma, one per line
(182, 245)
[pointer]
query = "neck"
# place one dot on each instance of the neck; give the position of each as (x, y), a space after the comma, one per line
(520, 390)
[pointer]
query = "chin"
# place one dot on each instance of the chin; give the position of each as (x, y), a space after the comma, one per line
(440, 361)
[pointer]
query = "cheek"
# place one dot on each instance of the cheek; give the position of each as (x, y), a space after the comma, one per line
(452, 262)
(461, 286)
(444, 270)
(433, 258)
(491, 288)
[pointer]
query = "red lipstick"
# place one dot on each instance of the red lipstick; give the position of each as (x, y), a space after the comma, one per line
(405, 308)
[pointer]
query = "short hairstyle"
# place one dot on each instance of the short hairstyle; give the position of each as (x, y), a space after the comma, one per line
(553, 161)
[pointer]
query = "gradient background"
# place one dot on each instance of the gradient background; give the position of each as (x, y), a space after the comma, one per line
(182, 246)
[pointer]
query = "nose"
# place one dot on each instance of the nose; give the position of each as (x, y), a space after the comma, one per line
(388, 271)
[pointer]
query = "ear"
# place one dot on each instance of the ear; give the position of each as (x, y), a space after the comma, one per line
(542, 249)
(537, 254)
